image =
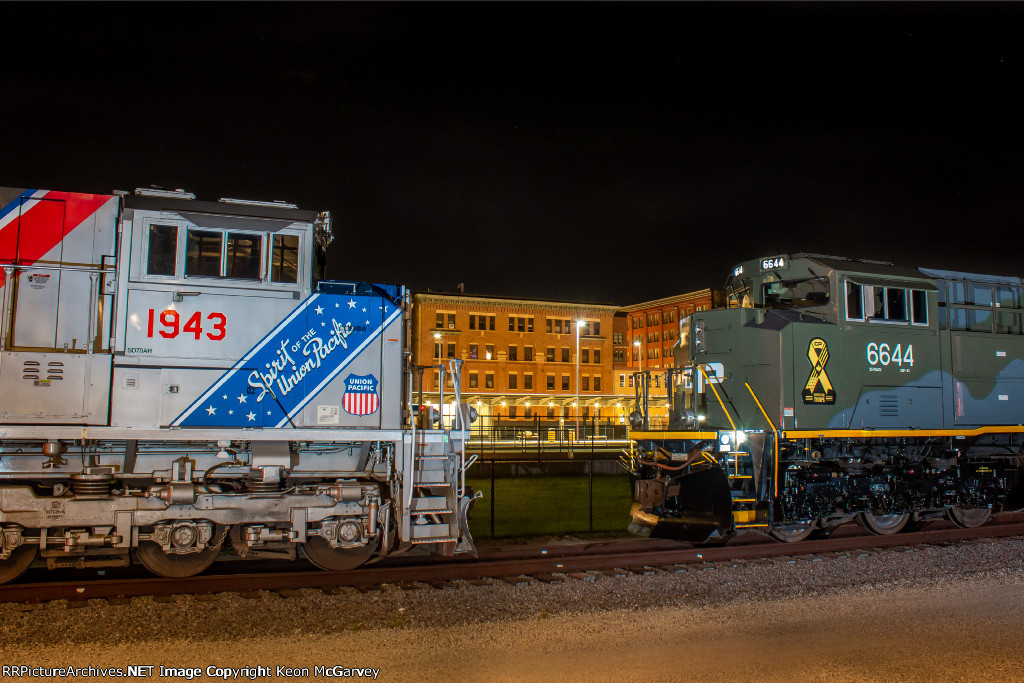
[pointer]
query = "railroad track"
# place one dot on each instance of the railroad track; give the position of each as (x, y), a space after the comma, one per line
(512, 564)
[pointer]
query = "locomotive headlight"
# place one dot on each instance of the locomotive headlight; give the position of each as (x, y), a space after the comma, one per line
(724, 439)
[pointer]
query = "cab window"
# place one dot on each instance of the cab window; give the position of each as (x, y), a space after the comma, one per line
(284, 263)
(162, 249)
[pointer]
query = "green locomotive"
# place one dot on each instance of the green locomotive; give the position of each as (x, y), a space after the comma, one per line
(830, 390)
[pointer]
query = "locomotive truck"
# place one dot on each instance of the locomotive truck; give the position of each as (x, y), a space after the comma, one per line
(178, 379)
(832, 390)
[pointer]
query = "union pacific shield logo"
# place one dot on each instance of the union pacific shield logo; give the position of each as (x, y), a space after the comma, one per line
(360, 395)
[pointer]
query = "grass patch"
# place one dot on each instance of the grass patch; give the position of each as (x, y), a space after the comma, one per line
(543, 505)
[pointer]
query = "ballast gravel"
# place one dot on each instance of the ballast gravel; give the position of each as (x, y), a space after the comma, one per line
(916, 613)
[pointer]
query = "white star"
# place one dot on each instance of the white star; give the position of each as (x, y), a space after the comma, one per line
(211, 411)
(241, 398)
(225, 397)
(319, 310)
(364, 310)
(268, 412)
(351, 303)
(252, 417)
(231, 412)
(337, 305)
(367, 322)
(323, 324)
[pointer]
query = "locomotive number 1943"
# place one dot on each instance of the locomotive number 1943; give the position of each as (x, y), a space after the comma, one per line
(884, 355)
(170, 322)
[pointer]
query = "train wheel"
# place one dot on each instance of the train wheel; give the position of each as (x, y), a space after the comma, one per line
(792, 533)
(179, 566)
(969, 518)
(15, 565)
(331, 559)
(884, 524)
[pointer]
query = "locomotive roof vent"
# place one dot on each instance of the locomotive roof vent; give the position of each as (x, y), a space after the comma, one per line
(279, 203)
(161, 192)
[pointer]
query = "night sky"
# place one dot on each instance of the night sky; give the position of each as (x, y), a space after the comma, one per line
(599, 152)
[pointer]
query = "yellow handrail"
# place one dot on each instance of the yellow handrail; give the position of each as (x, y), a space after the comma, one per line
(711, 384)
(775, 441)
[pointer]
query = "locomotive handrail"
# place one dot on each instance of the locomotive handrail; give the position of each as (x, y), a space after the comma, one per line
(102, 268)
(720, 402)
(775, 442)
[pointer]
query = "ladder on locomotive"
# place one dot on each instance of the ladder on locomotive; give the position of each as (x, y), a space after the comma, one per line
(435, 512)
(739, 468)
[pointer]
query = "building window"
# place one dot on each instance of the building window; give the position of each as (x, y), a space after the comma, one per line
(489, 380)
(528, 412)
(565, 354)
(440, 321)
(586, 383)
(597, 355)
(595, 328)
(474, 380)
(558, 327)
(528, 382)
(511, 324)
(529, 324)
(565, 382)
(520, 324)
(547, 324)
(618, 356)
(527, 353)
(472, 322)
(451, 321)
(551, 412)
(512, 412)
(473, 351)
(551, 382)
(513, 352)
(488, 351)
(622, 380)
(550, 355)
(451, 350)
(437, 349)
(513, 381)
(617, 338)
(631, 381)
(585, 356)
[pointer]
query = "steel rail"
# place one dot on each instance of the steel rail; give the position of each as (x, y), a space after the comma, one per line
(536, 561)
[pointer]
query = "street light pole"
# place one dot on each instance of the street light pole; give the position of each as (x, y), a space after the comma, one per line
(579, 326)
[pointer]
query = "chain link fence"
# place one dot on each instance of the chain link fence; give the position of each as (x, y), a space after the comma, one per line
(549, 497)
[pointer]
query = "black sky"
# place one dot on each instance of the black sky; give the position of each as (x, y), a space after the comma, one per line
(605, 152)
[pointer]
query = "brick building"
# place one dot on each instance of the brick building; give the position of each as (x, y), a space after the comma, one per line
(651, 329)
(519, 356)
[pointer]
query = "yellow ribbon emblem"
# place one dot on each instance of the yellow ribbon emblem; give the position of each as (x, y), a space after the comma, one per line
(818, 388)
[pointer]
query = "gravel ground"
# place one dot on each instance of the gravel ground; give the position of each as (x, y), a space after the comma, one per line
(912, 614)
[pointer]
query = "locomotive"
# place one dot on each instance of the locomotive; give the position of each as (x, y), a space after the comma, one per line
(832, 390)
(179, 380)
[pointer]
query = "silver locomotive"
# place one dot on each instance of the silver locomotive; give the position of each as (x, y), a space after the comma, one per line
(176, 380)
